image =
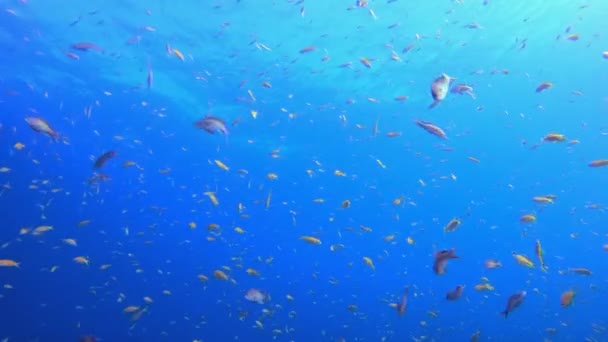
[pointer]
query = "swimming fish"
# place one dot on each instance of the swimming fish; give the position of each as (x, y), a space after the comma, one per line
(513, 302)
(212, 124)
(402, 306)
(86, 46)
(432, 128)
(463, 89)
(441, 260)
(567, 298)
(455, 293)
(538, 249)
(257, 296)
(439, 89)
(40, 125)
(102, 159)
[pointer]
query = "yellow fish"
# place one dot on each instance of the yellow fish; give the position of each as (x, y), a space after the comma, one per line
(311, 240)
(523, 260)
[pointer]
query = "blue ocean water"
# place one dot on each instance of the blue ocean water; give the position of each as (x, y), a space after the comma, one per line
(321, 100)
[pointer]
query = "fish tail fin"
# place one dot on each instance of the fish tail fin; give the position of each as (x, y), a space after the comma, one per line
(432, 105)
(59, 138)
(54, 135)
(505, 314)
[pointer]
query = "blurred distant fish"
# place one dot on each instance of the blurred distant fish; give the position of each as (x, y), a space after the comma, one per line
(513, 302)
(257, 296)
(97, 178)
(76, 21)
(212, 124)
(87, 338)
(150, 78)
(101, 160)
(463, 89)
(402, 306)
(455, 293)
(85, 46)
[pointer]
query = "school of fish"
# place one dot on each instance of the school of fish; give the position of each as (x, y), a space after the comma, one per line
(251, 189)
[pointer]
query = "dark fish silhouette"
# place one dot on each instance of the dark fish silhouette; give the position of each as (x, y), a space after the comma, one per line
(102, 159)
(513, 302)
(441, 259)
(87, 338)
(402, 306)
(455, 293)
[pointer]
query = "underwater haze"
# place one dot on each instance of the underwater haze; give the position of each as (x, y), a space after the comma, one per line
(303, 170)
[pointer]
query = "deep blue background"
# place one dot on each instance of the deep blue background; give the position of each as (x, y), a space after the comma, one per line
(332, 126)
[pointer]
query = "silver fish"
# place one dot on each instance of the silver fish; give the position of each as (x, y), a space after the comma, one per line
(212, 124)
(42, 126)
(439, 88)
(257, 296)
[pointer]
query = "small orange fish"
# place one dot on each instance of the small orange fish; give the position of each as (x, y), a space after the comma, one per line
(178, 53)
(528, 218)
(484, 287)
(219, 274)
(366, 62)
(311, 240)
(567, 298)
(8, 263)
(81, 260)
(554, 137)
